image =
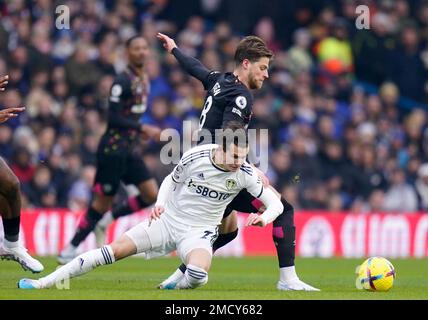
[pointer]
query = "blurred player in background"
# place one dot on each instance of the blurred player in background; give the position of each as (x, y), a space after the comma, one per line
(116, 159)
(10, 204)
(186, 215)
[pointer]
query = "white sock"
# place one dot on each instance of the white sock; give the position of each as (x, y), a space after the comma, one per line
(193, 277)
(83, 263)
(176, 275)
(106, 220)
(288, 273)
(10, 244)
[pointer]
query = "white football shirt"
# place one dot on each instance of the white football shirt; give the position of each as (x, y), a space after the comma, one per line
(203, 190)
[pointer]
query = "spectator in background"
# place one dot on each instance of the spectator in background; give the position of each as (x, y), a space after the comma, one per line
(80, 70)
(299, 58)
(334, 52)
(371, 49)
(421, 186)
(265, 30)
(400, 197)
(79, 195)
(370, 177)
(22, 165)
(41, 190)
(376, 201)
(405, 66)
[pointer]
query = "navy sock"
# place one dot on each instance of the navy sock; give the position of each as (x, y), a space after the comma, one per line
(11, 228)
(284, 236)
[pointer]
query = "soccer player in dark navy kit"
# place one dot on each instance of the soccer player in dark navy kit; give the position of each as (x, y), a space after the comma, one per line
(229, 99)
(116, 160)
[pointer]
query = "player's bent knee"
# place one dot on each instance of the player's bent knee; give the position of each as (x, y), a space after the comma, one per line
(200, 258)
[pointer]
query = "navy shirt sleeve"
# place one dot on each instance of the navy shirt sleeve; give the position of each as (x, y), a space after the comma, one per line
(195, 68)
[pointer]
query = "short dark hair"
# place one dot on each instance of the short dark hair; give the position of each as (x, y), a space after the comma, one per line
(252, 48)
(234, 132)
(129, 41)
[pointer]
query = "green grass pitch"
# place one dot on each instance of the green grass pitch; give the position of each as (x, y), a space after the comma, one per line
(229, 278)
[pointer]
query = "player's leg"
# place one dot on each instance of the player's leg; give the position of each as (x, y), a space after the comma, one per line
(154, 240)
(284, 238)
(138, 175)
(10, 210)
(196, 251)
(227, 231)
(198, 264)
(107, 180)
(119, 249)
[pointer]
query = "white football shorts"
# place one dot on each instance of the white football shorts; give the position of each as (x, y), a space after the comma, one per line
(166, 237)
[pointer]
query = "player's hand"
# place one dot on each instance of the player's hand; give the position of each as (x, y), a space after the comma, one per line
(8, 113)
(168, 43)
(151, 132)
(3, 82)
(156, 212)
(255, 220)
(263, 177)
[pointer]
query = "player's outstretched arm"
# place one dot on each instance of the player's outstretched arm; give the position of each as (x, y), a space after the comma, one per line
(3, 82)
(193, 66)
(8, 113)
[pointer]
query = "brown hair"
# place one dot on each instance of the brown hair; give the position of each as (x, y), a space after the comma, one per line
(252, 48)
(234, 132)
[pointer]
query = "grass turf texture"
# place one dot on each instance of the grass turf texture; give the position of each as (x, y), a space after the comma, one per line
(229, 278)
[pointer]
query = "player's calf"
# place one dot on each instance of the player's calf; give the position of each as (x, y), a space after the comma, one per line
(80, 265)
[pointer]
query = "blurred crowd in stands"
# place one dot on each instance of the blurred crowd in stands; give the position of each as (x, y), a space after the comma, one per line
(346, 108)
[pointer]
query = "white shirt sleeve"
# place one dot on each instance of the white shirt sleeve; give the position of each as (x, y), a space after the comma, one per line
(178, 175)
(167, 186)
(273, 204)
(252, 183)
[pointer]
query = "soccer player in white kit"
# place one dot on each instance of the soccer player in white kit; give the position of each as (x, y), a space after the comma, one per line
(188, 210)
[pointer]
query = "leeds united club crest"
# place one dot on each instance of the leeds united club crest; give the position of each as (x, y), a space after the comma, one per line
(230, 184)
